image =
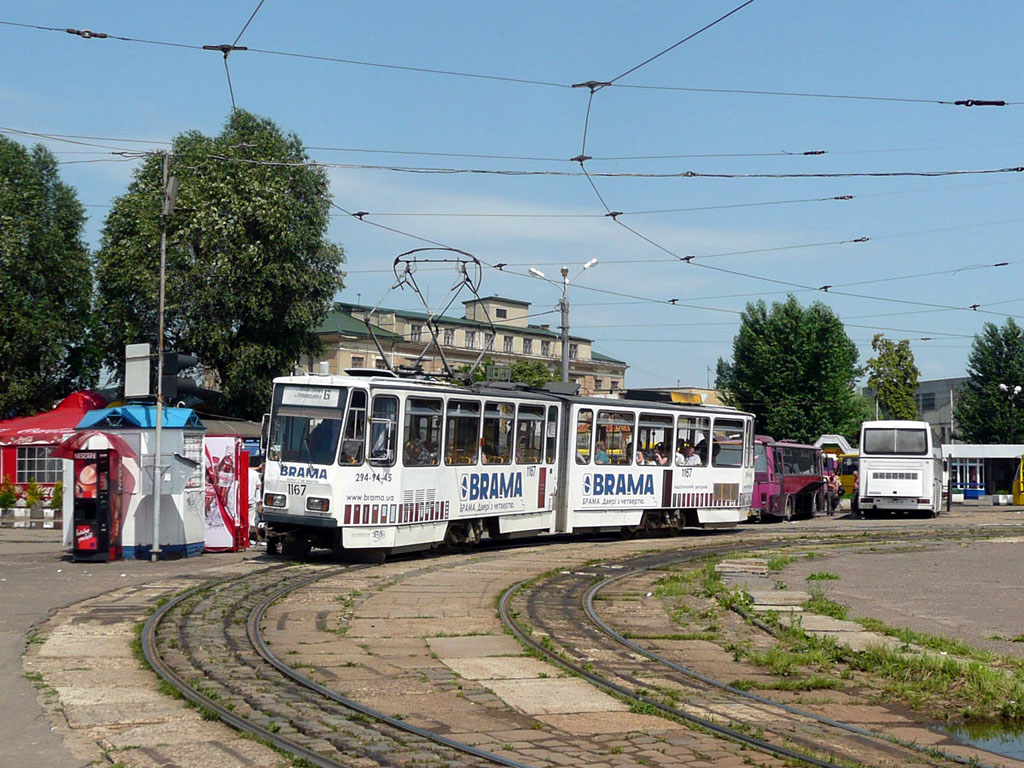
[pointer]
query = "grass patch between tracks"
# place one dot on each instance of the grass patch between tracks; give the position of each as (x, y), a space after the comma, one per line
(927, 672)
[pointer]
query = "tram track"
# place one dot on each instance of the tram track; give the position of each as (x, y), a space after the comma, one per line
(207, 644)
(322, 727)
(566, 600)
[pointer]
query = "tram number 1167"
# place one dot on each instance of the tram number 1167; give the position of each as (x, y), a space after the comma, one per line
(294, 489)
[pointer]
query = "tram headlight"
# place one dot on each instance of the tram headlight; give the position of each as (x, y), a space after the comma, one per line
(275, 500)
(315, 504)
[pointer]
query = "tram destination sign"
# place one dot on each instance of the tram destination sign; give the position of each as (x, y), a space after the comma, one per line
(323, 397)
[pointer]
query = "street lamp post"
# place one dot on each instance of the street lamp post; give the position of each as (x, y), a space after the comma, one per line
(1011, 394)
(563, 305)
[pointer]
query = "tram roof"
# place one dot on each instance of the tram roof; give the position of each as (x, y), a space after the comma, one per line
(385, 380)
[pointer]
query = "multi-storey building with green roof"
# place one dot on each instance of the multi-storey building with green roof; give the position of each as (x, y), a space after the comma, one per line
(403, 334)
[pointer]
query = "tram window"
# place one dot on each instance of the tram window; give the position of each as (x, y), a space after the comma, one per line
(384, 430)
(584, 430)
(695, 431)
(654, 441)
(497, 434)
(530, 434)
(462, 432)
(728, 443)
(615, 436)
(552, 434)
(421, 446)
(353, 443)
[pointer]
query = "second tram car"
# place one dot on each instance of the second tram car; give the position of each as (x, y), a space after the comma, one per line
(386, 464)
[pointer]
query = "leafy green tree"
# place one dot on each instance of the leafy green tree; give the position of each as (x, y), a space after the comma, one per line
(531, 372)
(984, 413)
(795, 369)
(249, 272)
(893, 375)
(45, 284)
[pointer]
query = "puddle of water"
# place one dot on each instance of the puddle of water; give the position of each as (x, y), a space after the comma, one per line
(1000, 738)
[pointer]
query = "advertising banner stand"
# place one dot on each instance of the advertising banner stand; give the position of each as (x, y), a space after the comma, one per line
(227, 493)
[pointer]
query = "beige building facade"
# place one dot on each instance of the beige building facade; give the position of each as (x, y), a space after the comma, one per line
(405, 338)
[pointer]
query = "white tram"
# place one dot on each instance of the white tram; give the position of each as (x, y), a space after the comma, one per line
(375, 462)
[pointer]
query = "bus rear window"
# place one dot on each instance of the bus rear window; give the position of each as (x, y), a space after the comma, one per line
(895, 442)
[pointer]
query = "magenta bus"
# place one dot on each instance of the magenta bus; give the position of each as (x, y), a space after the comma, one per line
(789, 481)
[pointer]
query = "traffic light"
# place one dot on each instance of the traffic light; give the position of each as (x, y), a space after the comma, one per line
(173, 384)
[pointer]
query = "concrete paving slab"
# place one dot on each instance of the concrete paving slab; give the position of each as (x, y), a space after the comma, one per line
(408, 685)
(778, 596)
(756, 566)
(501, 668)
(780, 609)
(112, 695)
(379, 629)
(475, 646)
(458, 716)
(813, 622)
(137, 713)
(610, 723)
(558, 696)
(223, 754)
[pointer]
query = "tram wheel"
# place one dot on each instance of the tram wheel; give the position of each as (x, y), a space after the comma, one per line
(273, 545)
(790, 506)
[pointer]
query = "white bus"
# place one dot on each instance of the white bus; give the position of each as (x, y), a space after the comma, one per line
(900, 469)
(375, 462)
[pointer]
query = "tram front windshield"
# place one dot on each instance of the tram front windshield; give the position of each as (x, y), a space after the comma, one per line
(301, 432)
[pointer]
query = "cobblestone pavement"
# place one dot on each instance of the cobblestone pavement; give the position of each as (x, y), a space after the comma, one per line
(73, 714)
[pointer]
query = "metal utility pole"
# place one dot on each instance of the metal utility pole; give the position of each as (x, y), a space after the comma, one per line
(563, 305)
(170, 193)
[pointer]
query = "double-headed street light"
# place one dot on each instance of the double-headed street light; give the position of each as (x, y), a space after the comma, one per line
(1011, 394)
(563, 305)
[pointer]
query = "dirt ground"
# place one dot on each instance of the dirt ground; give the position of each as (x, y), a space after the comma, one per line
(972, 590)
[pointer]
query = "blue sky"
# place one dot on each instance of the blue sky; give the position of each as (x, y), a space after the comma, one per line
(932, 240)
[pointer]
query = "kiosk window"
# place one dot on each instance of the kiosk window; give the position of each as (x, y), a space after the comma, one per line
(34, 463)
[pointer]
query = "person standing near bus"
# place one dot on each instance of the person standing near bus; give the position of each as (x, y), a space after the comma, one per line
(855, 499)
